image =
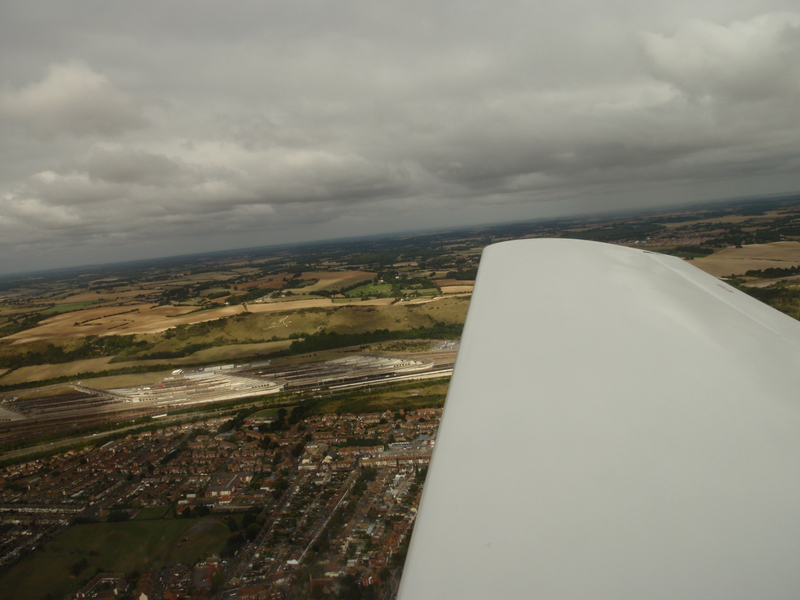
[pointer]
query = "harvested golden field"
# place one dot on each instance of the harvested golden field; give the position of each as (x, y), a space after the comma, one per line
(737, 261)
(139, 318)
(457, 289)
(423, 300)
(452, 309)
(361, 319)
(452, 282)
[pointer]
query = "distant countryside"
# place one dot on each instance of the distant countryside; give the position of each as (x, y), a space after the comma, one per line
(258, 424)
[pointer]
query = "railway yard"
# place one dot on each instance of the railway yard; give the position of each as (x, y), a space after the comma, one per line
(75, 406)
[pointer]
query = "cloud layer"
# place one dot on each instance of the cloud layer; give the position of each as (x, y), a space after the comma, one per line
(130, 132)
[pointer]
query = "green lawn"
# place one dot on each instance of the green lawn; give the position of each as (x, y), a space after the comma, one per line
(116, 547)
(267, 413)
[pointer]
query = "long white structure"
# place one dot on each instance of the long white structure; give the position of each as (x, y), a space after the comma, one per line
(619, 425)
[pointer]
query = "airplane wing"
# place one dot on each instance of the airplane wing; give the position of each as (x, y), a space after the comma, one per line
(619, 425)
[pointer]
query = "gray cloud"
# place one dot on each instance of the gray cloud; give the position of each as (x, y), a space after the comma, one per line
(72, 98)
(742, 61)
(183, 127)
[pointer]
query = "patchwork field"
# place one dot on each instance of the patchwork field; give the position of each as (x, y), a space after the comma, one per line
(454, 282)
(145, 318)
(140, 318)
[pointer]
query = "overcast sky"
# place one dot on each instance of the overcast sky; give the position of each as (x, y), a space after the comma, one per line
(139, 129)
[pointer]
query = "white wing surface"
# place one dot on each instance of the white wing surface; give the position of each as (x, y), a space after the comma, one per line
(620, 425)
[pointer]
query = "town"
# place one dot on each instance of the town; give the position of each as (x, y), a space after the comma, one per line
(266, 506)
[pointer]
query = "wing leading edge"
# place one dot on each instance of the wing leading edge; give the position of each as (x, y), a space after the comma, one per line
(619, 425)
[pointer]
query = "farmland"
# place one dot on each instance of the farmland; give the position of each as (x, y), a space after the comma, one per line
(238, 306)
(119, 355)
(737, 261)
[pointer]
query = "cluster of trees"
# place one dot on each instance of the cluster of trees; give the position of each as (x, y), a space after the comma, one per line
(117, 516)
(773, 272)
(737, 237)
(199, 510)
(464, 274)
(780, 297)
(235, 423)
(688, 251)
(251, 525)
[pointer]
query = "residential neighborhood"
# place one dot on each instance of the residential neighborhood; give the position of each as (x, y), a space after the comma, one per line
(288, 505)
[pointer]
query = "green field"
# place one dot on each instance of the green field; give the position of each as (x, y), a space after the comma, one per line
(267, 413)
(370, 289)
(423, 292)
(63, 308)
(116, 547)
(411, 396)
